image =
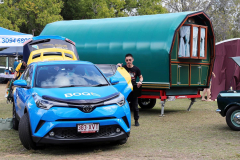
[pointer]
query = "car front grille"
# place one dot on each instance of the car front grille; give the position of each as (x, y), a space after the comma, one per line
(71, 133)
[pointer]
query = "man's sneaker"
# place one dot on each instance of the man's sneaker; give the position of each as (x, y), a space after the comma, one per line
(136, 123)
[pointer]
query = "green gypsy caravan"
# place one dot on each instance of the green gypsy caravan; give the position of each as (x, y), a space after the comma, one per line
(174, 51)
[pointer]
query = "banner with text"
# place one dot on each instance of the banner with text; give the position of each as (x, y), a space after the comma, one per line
(13, 40)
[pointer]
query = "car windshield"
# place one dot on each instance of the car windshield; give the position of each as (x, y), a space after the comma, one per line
(68, 75)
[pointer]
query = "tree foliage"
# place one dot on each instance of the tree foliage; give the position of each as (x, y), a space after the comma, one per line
(36, 14)
(89, 9)
(29, 16)
(9, 15)
(224, 14)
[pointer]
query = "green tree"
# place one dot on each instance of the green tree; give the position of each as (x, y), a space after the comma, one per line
(37, 13)
(145, 7)
(29, 16)
(9, 15)
(89, 9)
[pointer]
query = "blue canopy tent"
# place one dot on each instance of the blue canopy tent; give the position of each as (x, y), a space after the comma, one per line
(11, 51)
(11, 42)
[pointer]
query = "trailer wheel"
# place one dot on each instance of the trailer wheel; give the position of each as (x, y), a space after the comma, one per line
(146, 103)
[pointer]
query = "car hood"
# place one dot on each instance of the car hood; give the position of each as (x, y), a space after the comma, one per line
(78, 94)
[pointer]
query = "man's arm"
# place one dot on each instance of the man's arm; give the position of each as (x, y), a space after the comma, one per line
(141, 78)
(214, 75)
(15, 74)
(119, 64)
(140, 81)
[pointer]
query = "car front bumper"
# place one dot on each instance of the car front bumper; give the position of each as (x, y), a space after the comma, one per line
(70, 135)
(218, 110)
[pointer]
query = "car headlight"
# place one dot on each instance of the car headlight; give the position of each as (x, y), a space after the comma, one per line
(120, 100)
(45, 104)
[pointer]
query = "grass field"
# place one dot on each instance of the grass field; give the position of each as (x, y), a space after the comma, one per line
(198, 134)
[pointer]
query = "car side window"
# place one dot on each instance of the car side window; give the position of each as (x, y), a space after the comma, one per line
(25, 73)
(107, 69)
(28, 75)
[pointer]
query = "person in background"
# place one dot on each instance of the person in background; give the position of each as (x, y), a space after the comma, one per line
(15, 64)
(20, 69)
(134, 73)
(207, 90)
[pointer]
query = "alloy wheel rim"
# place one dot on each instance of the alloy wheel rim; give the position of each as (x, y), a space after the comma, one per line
(235, 118)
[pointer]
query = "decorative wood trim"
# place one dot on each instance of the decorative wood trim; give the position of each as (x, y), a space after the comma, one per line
(176, 36)
(189, 74)
(191, 55)
(201, 74)
(177, 74)
(191, 63)
(198, 75)
(180, 74)
(205, 49)
(155, 87)
(199, 42)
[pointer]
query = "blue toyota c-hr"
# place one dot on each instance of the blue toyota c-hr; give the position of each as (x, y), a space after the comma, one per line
(59, 102)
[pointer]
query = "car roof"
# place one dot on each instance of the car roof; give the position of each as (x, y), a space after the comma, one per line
(60, 62)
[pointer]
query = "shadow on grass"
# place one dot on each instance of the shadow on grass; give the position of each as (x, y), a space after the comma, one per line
(157, 111)
(222, 128)
(81, 148)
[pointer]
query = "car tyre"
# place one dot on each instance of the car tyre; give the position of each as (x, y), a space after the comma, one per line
(146, 103)
(233, 118)
(25, 133)
(15, 121)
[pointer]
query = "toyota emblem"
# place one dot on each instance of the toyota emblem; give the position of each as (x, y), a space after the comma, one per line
(87, 109)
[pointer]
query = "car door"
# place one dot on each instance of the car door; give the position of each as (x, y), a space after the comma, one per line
(24, 93)
(125, 85)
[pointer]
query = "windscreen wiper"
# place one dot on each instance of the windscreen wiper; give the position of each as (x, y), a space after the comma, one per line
(70, 86)
(98, 85)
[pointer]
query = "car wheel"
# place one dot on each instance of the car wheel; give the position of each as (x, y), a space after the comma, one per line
(15, 121)
(233, 118)
(146, 103)
(25, 133)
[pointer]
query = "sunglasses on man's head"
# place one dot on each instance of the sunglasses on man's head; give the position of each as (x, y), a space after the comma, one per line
(128, 60)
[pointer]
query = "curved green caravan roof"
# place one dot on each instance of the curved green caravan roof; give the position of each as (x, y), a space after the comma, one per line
(149, 38)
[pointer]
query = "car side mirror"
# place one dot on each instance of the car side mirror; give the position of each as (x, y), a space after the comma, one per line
(114, 80)
(20, 83)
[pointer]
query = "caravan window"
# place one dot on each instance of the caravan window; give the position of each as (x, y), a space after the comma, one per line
(192, 42)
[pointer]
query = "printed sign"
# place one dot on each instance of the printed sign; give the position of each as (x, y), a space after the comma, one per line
(11, 40)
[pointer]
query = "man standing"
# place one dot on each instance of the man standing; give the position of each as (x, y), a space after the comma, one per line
(134, 73)
(15, 64)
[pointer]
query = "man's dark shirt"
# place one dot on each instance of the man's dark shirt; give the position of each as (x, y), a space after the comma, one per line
(134, 73)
